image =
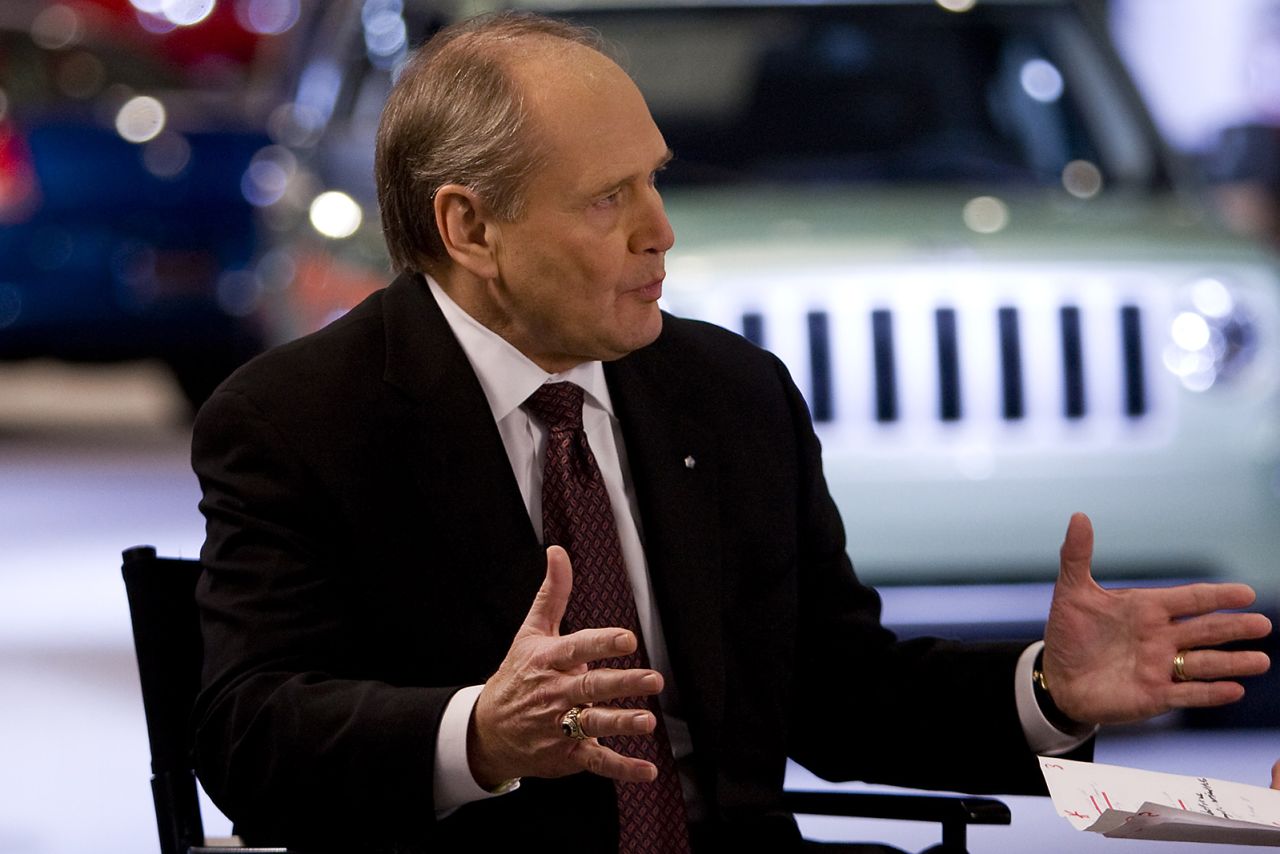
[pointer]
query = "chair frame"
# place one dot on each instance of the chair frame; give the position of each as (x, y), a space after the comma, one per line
(166, 636)
(166, 640)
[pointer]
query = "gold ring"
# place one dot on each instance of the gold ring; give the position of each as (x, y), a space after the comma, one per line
(1179, 661)
(572, 726)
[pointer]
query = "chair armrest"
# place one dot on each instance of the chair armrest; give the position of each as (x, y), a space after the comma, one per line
(954, 812)
(940, 808)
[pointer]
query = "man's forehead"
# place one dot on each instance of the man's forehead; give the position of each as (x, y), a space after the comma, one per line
(580, 91)
(546, 65)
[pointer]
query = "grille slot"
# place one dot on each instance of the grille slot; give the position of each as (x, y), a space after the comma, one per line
(944, 321)
(820, 397)
(886, 381)
(753, 327)
(1073, 401)
(1013, 406)
(1135, 384)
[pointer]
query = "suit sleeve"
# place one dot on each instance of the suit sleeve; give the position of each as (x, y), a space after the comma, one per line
(291, 737)
(925, 713)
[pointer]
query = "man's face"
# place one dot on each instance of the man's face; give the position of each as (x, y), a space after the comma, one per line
(580, 272)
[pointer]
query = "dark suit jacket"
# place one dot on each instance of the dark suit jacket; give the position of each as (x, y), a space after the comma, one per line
(368, 553)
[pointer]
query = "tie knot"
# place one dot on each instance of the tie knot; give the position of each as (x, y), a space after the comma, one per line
(557, 405)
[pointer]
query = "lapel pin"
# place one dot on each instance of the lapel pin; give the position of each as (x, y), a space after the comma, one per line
(690, 462)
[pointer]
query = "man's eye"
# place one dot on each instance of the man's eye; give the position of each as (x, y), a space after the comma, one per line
(609, 200)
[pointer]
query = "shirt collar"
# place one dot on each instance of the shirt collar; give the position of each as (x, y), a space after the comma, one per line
(506, 375)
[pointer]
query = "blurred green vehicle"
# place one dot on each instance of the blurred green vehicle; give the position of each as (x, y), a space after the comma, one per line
(957, 226)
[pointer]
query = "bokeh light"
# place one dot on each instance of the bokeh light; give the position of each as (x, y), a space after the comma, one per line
(986, 214)
(267, 17)
(167, 156)
(186, 13)
(1190, 331)
(1211, 298)
(267, 178)
(1082, 179)
(81, 75)
(141, 119)
(56, 27)
(336, 215)
(1042, 80)
(163, 15)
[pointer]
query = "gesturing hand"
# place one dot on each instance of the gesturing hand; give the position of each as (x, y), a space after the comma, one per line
(515, 726)
(1109, 653)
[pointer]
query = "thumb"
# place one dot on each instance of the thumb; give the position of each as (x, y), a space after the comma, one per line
(1275, 776)
(1077, 551)
(553, 596)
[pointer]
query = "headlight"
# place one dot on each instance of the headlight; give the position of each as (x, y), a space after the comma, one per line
(1212, 338)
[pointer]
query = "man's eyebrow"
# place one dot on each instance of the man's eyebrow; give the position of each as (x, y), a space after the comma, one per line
(605, 186)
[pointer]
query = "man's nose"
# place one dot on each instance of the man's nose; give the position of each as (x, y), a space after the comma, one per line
(653, 232)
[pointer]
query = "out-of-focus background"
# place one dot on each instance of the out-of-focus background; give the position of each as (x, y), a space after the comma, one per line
(1016, 274)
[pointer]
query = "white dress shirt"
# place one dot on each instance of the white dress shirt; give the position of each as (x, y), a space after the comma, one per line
(508, 378)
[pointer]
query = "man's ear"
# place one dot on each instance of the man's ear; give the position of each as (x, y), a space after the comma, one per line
(466, 227)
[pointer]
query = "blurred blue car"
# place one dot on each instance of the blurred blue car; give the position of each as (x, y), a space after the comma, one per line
(124, 231)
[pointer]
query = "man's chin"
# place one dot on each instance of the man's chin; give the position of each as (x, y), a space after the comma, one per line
(652, 330)
(643, 338)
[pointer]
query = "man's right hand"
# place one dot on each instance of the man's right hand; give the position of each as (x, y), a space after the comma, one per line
(515, 727)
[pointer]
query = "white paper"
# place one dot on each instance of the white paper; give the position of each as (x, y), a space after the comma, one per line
(1127, 803)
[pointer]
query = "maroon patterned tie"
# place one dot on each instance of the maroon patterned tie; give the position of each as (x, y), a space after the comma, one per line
(576, 514)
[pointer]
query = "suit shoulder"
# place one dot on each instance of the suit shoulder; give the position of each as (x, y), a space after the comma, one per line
(711, 368)
(716, 351)
(313, 366)
(683, 334)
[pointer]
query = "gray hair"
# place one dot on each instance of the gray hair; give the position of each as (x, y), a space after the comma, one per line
(457, 116)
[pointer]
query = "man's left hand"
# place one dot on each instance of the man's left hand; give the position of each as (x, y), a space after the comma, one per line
(1109, 654)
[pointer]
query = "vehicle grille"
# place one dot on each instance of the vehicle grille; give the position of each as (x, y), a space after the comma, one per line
(1077, 358)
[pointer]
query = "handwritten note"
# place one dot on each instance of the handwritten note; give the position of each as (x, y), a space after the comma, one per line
(1128, 803)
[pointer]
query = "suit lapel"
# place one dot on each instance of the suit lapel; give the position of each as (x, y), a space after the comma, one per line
(456, 455)
(673, 462)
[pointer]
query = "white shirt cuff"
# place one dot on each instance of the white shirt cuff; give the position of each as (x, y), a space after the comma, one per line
(453, 784)
(1043, 738)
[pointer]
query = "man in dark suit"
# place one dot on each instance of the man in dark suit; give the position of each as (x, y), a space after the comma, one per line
(385, 660)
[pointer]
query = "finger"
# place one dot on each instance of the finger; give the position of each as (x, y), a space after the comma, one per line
(598, 759)
(1210, 664)
(1076, 554)
(1191, 599)
(553, 596)
(1215, 629)
(1275, 775)
(1186, 695)
(587, 645)
(603, 684)
(602, 721)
